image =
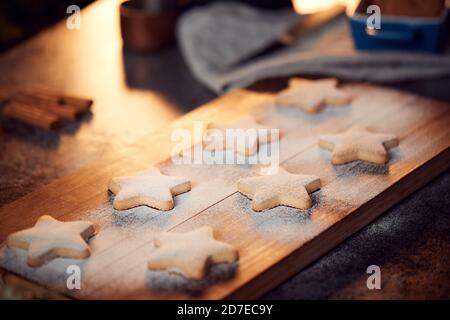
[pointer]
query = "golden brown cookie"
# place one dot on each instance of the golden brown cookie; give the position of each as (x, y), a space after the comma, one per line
(358, 143)
(280, 189)
(150, 188)
(312, 95)
(247, 136)
(50, 239)
(190, 252)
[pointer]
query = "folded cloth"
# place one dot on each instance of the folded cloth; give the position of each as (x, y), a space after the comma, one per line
(214, 37)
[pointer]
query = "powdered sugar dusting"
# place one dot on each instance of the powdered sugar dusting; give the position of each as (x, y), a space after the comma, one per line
(52, 274)
(173, 281)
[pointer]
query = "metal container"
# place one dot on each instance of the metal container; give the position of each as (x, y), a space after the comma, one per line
(148, 24)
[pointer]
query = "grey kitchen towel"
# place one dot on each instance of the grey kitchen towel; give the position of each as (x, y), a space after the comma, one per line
(212, 38)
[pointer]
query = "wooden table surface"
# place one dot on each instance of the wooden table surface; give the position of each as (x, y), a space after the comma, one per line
(136, 93)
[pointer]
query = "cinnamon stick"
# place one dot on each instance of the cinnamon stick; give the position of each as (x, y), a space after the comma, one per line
(64, 111)
(31, 115)
(83, 104)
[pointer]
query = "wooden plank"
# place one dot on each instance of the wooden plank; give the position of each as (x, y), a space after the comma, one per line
(106, 255)
(285, 252)
(119, 251)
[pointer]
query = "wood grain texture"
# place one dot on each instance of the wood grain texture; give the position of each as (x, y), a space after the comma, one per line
(274, 244)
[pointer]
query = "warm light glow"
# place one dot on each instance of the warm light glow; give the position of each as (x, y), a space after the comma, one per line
(311, 6)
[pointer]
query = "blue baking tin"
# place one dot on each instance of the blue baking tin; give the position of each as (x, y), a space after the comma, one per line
(399, 33)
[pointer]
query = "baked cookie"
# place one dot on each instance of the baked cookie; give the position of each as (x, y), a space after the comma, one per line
(190, 252)
(247, 136)
(150, 188)
(358, 143)
(280, 189)
(50, 238)
(312, 95)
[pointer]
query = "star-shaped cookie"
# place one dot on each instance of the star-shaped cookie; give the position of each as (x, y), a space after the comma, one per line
(190, 252)
(150, 188)
(312, 95)
(282, 188)
(244, 136)
(358, 143)
(50, 238)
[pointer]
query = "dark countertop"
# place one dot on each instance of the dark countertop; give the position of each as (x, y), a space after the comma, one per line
(142, 92)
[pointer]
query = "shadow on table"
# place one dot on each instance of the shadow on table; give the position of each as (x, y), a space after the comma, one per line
(165, 72)
(39, 137)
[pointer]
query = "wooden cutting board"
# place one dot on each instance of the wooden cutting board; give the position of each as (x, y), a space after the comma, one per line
(273, 245)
